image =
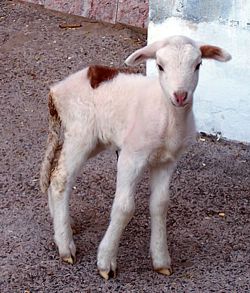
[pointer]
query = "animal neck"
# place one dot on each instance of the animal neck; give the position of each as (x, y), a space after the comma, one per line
(179, 114)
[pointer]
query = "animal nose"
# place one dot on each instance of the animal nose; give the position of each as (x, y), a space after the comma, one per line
(180, 97)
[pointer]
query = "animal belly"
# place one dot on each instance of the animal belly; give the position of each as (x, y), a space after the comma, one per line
(161, 156)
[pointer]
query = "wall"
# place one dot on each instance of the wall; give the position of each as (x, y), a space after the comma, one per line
(222, 99)
(130, 12)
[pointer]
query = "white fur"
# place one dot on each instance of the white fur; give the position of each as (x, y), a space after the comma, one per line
(141, 117)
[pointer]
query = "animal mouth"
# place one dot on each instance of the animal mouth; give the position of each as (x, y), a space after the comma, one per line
(183, 105)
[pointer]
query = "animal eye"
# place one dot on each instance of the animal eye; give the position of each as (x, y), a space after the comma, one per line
(198, 66)
(160, 67)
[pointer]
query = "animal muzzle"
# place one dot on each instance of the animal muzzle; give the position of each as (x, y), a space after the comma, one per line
(180, 97)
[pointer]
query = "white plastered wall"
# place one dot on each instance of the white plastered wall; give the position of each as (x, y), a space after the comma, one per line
(222, 98)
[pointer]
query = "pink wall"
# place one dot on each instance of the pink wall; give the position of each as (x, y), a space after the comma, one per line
(131, 12)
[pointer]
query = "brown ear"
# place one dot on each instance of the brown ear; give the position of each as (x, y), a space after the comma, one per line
(216, 53)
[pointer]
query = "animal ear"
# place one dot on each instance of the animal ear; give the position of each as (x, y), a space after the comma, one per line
(144, 53)
(216, 53)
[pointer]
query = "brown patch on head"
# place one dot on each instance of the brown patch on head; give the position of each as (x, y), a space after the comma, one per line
(211, 52)
(98, 74)
(52, 108)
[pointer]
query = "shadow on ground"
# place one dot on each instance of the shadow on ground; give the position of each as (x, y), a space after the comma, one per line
(210, 250)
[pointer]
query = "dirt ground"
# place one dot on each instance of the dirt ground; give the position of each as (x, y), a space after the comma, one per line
(208, 221)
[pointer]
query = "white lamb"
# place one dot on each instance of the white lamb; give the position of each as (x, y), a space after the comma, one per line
(151, 122)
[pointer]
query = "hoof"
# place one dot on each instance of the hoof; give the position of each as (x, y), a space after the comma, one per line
(107, 275)
(166, 272)
(69, 259)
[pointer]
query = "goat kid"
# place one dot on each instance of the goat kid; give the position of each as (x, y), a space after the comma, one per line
(150, 120)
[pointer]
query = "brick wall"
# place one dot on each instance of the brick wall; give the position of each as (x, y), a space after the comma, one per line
(131, 12)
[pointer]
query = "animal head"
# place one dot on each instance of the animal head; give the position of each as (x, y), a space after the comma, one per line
(178, 59)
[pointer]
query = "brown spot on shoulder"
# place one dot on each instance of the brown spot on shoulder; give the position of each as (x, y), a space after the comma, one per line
(98, 74)
(52, 108)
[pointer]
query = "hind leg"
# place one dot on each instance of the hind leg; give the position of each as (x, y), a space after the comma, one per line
(74, 152)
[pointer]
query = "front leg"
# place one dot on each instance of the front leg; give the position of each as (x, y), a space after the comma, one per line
(129, 170)
(159, 199)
